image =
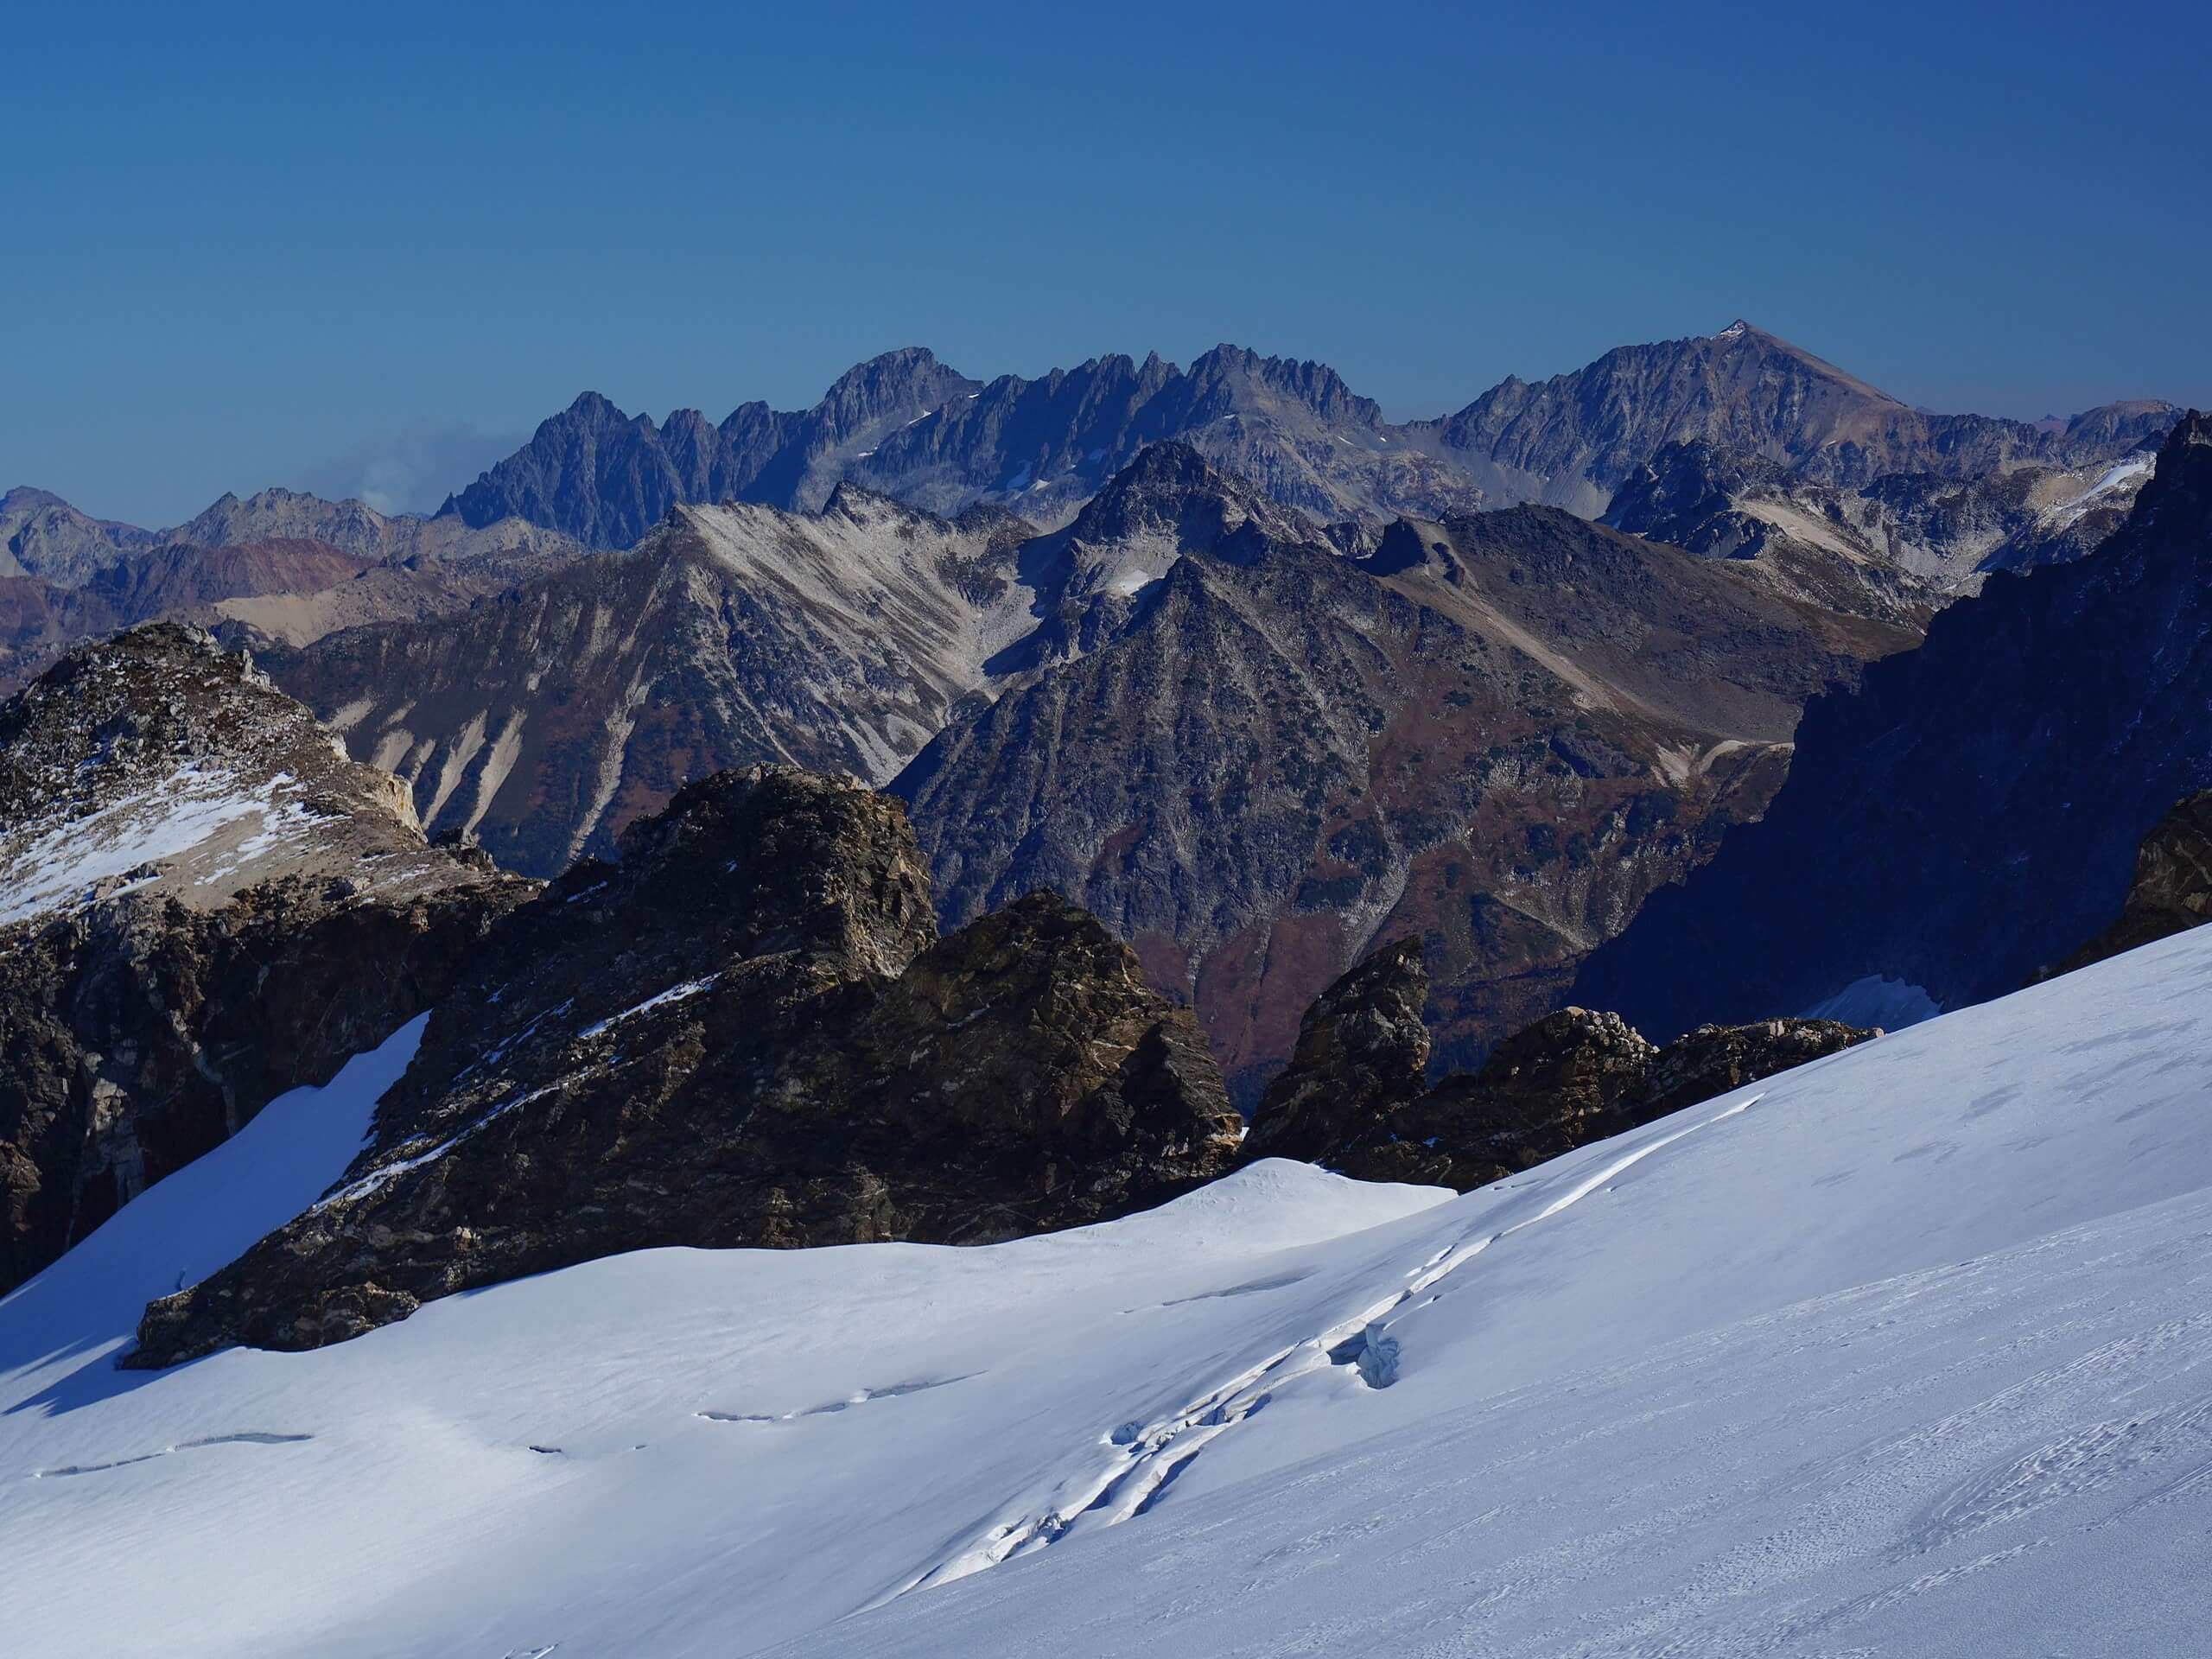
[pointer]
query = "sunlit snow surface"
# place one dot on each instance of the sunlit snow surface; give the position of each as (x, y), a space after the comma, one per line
(1909, 1352)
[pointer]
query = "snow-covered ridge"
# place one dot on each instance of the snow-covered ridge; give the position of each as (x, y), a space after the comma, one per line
(1905, 1352)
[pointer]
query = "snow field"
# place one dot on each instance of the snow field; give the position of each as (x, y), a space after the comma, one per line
(1909, 1352)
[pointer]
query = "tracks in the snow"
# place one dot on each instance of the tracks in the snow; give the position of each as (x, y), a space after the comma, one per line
(891, 1391)
(1147, 1457)
(248, 1438)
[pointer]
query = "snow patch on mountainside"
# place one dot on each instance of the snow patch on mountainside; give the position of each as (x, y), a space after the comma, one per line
(2116, 485)
(59, 1332)
(205, 826)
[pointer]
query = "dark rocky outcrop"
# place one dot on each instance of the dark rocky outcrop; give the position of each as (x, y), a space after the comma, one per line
(745, 1033)
(201, 905)
(1714, 1059)
(1354, 1097)
(1362, 1047)
(2173, 889)
(1972, 814)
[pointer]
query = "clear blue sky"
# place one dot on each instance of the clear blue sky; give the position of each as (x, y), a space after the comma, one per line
(316, 245)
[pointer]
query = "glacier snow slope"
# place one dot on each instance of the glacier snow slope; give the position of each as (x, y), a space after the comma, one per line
(1907, 1352)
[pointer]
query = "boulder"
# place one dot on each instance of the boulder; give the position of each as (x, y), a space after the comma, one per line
(1353, 1098)
(1362, 1054)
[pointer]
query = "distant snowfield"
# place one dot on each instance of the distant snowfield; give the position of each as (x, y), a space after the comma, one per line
(2122, 477)
(1878, 1000)
(1908, 1352)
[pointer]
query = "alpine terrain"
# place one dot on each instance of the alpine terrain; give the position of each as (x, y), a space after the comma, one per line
(1136, 1012)
(1249, 747)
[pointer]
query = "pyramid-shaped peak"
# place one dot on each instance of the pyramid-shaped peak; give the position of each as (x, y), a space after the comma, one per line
(1171, 487)
(906, 360)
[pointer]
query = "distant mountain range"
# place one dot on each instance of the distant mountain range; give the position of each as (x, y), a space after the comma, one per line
(1257, 675)
(1906, 538)
(278, 565)
(42, 536)
(546, 719)
(907, 426)
(1248, 751)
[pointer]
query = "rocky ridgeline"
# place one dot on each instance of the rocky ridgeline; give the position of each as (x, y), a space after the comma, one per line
(1355, 1097)
(905, 425)
(745, 1033)
(202, 904)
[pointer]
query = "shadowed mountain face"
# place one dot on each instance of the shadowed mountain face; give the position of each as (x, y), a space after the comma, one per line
(1972, 814)
(1498, 732)
(906, 426)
